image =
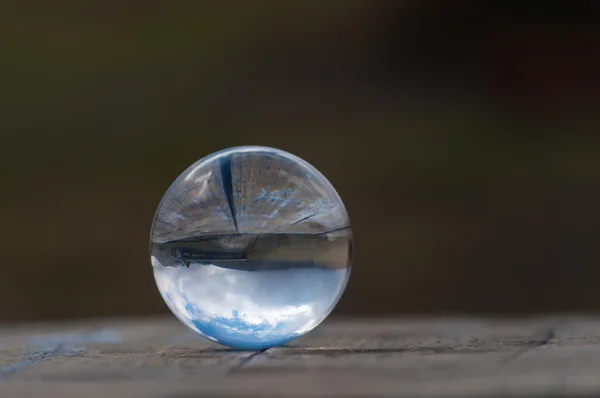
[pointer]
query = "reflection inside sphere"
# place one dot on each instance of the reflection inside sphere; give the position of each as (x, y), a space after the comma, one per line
(251, 247)
(248, 309)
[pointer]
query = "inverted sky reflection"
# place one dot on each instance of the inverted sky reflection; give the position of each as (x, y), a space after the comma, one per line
(250, 309)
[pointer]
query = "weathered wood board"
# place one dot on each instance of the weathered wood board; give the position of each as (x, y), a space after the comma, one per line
(445, 357)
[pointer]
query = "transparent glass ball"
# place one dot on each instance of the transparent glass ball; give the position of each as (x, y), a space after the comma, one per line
(251, 247)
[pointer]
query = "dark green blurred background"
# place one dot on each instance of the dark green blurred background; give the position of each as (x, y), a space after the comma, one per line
(462, 137)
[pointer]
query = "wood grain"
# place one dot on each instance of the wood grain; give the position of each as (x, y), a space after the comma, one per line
(445, 357)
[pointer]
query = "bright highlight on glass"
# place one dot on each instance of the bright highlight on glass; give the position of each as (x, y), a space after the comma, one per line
(251, 247)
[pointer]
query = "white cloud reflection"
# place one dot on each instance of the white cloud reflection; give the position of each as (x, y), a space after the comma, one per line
(249, 309)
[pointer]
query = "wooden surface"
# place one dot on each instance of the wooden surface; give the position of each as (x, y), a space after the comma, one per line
(439, 357)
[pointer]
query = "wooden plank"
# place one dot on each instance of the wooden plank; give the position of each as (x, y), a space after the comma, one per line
(358, 357)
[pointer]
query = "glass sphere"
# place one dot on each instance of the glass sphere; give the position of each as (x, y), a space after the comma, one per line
(251, 247)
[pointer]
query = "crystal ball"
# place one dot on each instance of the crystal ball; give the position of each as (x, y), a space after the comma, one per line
(251, 247)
